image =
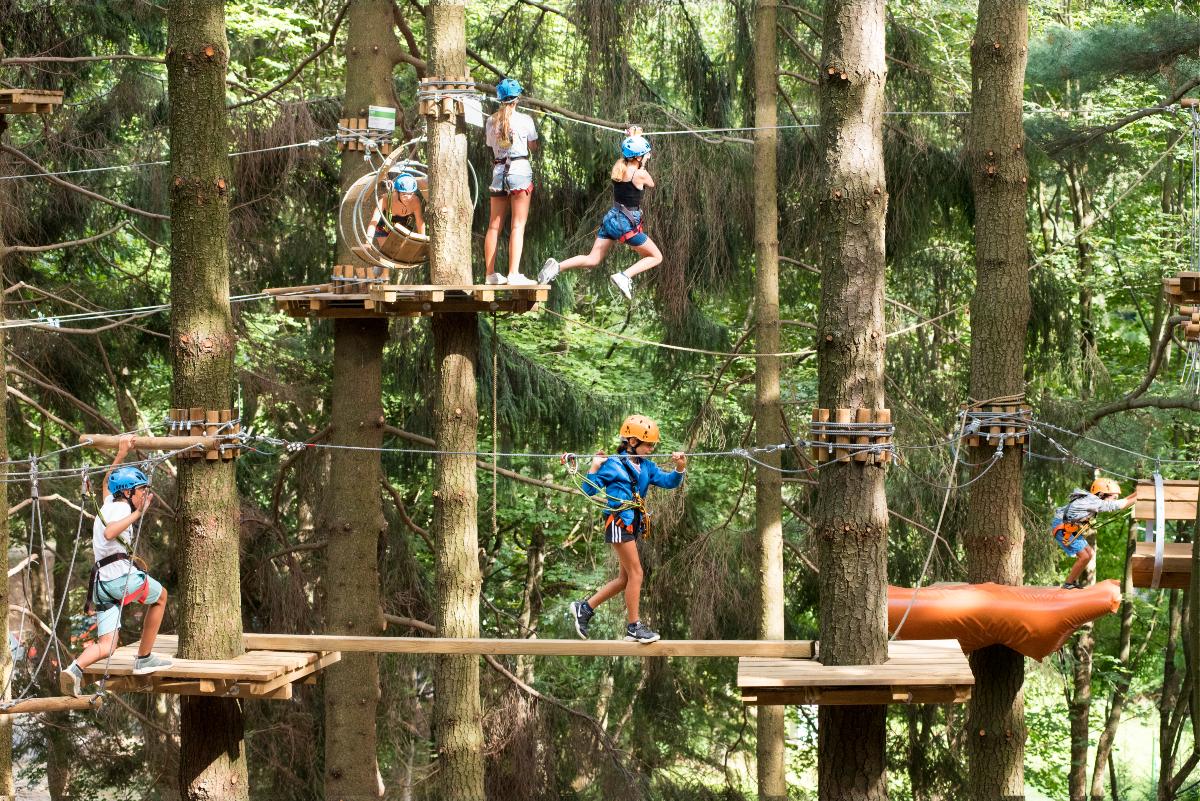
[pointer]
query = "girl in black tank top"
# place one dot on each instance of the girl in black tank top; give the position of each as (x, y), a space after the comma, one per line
(622, 223)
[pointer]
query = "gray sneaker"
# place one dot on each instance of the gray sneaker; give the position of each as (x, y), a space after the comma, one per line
(70, 680)
(581, 614)
(640, 632)
(148, 664)
(549, 271)
(624, 283)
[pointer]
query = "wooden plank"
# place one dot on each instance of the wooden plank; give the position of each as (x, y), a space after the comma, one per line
(874, 697)
(299, 673)
(799, 649)
(911, 664)
(1176, 569)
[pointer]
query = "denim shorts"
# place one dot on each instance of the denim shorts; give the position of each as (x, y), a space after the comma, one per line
(616, 225)
(1073, 547)
(511, 179)
(137, 587)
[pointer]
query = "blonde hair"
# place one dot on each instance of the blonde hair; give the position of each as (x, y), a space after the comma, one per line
(621, 168)
(501, 120)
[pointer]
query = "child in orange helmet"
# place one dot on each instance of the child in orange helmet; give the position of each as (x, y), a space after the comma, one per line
(624, 479)
(1072, 521)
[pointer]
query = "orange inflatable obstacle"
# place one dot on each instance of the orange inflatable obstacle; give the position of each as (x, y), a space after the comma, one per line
(1034, 621)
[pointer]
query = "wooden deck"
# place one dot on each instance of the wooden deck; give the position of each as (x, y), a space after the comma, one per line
(795, 649)
(1179, 500)
(261, 674)
(396, 300)
(29, 101)
(1176, 565)
(1182, 288)
(917, 672)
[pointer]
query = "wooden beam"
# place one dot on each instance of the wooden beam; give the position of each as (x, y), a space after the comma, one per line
(108, 442)
(1179, 500)
(795, 649)
(1176, 568)
(56, 704)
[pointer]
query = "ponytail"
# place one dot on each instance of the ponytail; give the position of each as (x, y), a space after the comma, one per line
(501, 121)
(621, 168)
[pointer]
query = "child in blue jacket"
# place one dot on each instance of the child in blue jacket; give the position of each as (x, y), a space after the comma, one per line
(624, 479)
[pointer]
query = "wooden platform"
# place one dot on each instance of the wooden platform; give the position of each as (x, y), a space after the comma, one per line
(1176, 565)
(261, 674)
(1179, 500)
(29, 101)
(917, 672)
(1182, 288)
(795, 649)
(395, 300)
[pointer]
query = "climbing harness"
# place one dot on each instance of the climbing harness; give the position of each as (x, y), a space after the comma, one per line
(604, 501)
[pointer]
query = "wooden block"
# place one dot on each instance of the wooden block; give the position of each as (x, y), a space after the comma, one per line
(818, 452)
(212, 419)
(884, 418)
(862, 416)
(1176, 567)
(842, 416)
(225, 453)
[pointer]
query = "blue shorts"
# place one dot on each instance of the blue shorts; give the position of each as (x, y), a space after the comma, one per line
(137, 587)
(616, 225)
(1073, 547)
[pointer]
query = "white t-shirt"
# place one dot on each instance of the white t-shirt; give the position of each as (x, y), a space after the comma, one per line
(523, 132)
(111, 512)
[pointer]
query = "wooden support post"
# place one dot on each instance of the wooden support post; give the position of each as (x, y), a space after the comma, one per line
(884, 418)
(862, 415)
(841, 416)
(819, 451)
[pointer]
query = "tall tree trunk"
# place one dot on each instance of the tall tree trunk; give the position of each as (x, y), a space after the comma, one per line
(768, 426)
(352, 515)
(850, 519)
(208, 606)
(457, 719)
(999, 313)
(1085, 215)
(6, 663)
(1169, 699)
(1124, 668)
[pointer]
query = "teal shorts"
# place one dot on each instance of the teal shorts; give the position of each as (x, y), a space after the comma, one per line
(136, 588)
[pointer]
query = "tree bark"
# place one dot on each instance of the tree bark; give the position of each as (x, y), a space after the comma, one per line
(768, 426)
(850, 518)
(999, 313)
(208, 607)
(352, 516)
(457, 719)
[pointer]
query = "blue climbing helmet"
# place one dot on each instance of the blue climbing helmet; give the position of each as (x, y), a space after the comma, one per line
(405, 183)
(125, 479)
(508, 89)
(635, 146)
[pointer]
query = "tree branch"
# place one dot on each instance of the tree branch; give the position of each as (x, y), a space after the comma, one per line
(1088, 135)
(1131, 400)
(337, 23)
(13, 62)
(76, 188)
(798, 76)
(21, 396)
(85, 408)
(404, 517)
(315, 545)
(4, 251)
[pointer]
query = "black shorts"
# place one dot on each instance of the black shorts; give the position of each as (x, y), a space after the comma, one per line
(615, 532)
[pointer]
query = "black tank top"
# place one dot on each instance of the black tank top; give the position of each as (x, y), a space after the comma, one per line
(628, 195)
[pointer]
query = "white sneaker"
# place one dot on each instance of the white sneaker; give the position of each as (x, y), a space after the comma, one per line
(149, 664)
(549, 271)
(516, 279)
(624, 283)
(496, 279)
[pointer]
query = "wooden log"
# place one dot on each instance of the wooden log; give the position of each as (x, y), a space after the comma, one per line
(294, 290)
(56, 704)
(108, 442)
(842, 416)
(818, 452)
(792, 649)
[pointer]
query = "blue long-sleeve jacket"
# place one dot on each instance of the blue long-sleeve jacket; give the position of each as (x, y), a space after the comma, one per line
(614, 479)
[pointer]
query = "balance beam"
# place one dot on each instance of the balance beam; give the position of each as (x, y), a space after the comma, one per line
(795, 649)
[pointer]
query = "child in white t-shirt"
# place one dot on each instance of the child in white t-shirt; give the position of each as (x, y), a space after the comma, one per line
(512, 136)
(116, 580)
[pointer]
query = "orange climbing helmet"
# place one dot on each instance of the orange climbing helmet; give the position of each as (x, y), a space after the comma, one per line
(1106, 486)
(640, 426)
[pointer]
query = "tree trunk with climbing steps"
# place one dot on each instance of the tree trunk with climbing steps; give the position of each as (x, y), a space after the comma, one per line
(352, 519)
(850, 519)
(208, 605)
(6, 661)
(768, 416)
(457, 717)
(994, 535)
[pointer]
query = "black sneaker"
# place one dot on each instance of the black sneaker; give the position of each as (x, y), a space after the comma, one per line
(581, 614)
(640, 632)
(1070, 585)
